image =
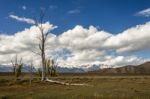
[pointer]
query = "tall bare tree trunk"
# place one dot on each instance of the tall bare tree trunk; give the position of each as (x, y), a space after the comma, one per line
(42, 43)
(42, 47)
(43, 62)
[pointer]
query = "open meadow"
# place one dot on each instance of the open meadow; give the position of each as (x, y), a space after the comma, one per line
(99, 87)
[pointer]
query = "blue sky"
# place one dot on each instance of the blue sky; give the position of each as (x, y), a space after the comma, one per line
(118, 30)
(110, 15)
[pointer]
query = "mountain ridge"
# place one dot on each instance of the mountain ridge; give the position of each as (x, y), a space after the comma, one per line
(94, 68)
(129, 69)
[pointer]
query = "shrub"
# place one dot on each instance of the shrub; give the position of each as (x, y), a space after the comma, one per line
(39, 72)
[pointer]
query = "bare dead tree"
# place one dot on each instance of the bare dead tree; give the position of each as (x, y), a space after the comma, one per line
(17, 66)
(42, 41)
(42, 47)
(14, 66)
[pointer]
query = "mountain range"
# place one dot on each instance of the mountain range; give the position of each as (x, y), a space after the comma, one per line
(129, 69)
(80, 69)
(94, 68)
(61, 69)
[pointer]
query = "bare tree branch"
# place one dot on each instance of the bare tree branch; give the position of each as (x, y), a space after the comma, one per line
(36, 52)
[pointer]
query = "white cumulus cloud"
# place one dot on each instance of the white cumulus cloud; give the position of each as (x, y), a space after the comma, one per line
(78, 46)
(23, 43)
(132, 39)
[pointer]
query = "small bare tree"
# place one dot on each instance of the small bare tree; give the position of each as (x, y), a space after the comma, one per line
(31, 72)
(17, 66)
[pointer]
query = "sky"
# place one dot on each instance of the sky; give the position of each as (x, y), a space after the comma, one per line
(114, 32)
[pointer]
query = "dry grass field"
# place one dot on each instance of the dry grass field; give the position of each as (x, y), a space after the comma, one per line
(101, 87)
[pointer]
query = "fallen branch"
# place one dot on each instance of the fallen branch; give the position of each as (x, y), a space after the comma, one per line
(64, 83)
